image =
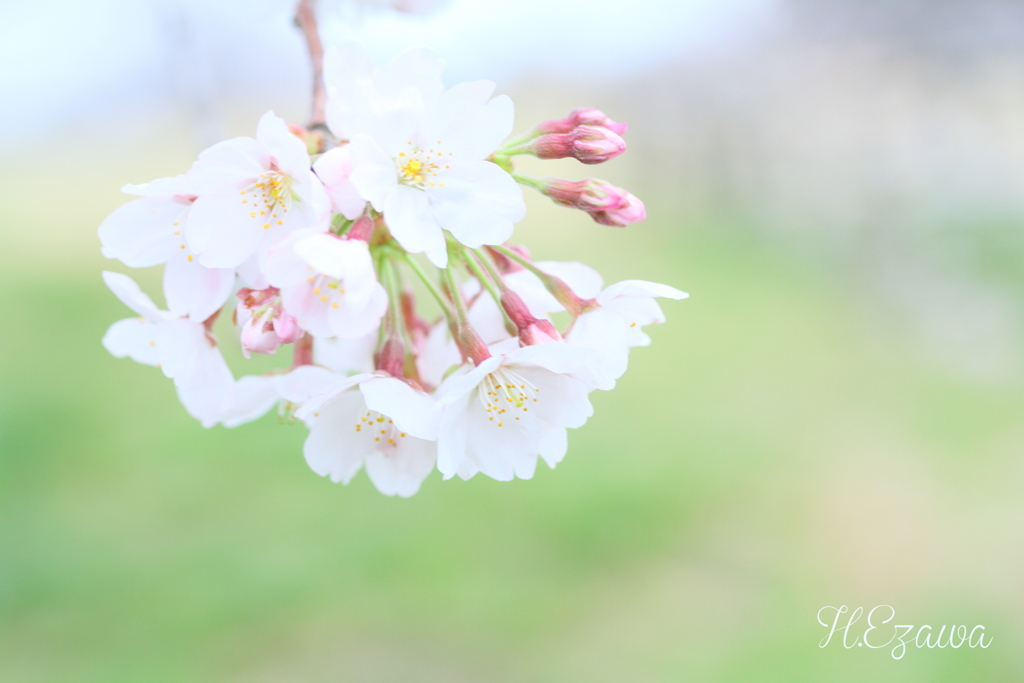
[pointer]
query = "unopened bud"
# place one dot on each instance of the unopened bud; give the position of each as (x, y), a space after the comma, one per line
(531, 330)
(606, 204)
(583, 116)
(588, 144)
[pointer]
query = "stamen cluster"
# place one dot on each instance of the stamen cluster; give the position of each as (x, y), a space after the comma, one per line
(377, 246)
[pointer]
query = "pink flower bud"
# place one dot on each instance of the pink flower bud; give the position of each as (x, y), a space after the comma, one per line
(606, 204)
(531, 330)
(265, 323)
(583, 116)
(588, 144)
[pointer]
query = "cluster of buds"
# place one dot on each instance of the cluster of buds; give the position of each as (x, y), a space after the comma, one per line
(377, 248)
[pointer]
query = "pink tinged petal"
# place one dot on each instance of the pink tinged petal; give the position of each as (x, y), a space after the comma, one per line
(581, 278)
(374, 174)
(287, 150)
(196, 291)
(228, 166)
(134, 338)
(303, 302)
(131, 296)
(334, 169)
(554, 445)
(333, 447)
(145, 232)
(342, 259)
(254, 396)
(346, 356)
(222, 232)
(413, 411)
(409, 216)
(399, 470)
(478, 203)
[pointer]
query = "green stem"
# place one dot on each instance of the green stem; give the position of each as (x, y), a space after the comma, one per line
(489, 280)
(530, 181)
(462, 315)
(508, 253)
(429, 284)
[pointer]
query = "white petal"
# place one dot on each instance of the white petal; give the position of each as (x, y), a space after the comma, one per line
(196, 291)
(476, 130)
(131, 296)
(562, 400)
(399, 471)
(288, 151)
(348, 70)
(478, 203)
(438, 355)
(557, 357)
(254, 396)
(332, 447)
(346, 356)
(251, 275)
(413, 411)
(460, 384)
(142, 232)
(304, 382)
(409, 216)
(221, 231)
(373, 174)
(284, 267)
(205, 384)
(228, 166)
(132, 337)
(554, 445)
(458, 107)
(452, 435)
(640, 288)
(419, 67)
(348, 320)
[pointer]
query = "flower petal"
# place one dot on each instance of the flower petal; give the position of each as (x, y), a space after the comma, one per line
(131, 296)
(399, 471)
(134, 338)
(408, 213)
(222, 232)
(332, 447)
(413, 411)
(288, 151)
(254, 396)
(144, 232)
(196, 291)
(478, 203)
(373, 172)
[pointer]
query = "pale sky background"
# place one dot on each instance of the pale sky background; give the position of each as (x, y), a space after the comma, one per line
(74, 62)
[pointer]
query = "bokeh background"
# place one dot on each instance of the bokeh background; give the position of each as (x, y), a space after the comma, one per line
(833, 417)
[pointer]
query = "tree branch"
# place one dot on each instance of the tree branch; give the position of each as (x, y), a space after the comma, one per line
(305, 19)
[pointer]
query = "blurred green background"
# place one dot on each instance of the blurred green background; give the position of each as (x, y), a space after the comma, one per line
(833, 417)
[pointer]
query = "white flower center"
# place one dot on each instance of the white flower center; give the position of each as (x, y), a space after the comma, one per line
(421, 167)
(381, 428)
(505, 392)
(269, 198)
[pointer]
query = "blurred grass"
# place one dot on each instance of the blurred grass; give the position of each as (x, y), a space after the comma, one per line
(780, 447)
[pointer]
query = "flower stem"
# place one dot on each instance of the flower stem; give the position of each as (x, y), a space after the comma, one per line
(429, 284)
(305, 19)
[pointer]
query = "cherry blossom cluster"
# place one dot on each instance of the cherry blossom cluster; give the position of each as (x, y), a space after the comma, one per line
(377, 247)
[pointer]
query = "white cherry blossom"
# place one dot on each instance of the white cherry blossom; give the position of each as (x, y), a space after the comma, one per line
(499, 416)
(251, 194)
(377, 421)
(327, 283)
(419, 155)
(149, 231)
(183, 349)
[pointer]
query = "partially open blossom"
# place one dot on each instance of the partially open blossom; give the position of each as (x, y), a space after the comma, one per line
(265, 323)
(605, 203)
(587, 144)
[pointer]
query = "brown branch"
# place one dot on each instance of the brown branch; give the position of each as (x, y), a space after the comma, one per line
(305, 19)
